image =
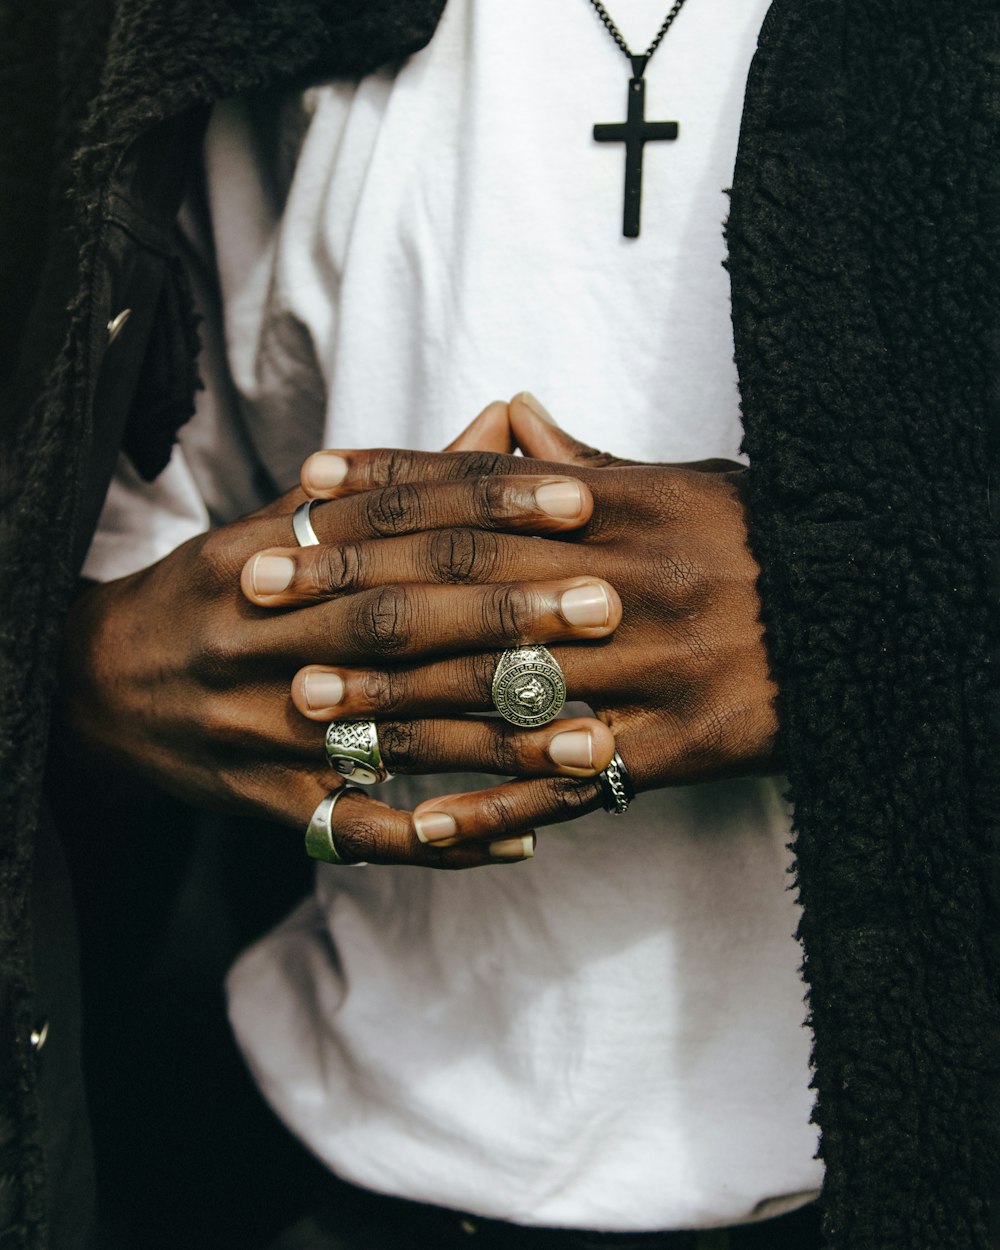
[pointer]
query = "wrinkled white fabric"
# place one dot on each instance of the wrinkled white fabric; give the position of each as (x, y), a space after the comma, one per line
(610, 1036)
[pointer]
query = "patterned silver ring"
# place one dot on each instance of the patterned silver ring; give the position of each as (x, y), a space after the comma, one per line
(352, 749)
(528, 687)
(319, 831)
(617, 785)
(305, 535)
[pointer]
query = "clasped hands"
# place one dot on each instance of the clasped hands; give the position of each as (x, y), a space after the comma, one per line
(637, 577)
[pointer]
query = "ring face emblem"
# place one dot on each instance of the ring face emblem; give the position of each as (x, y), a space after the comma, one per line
(528, 687)
(352, 749)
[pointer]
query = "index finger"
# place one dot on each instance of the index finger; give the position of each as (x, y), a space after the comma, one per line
(546, 504)
(334, 474)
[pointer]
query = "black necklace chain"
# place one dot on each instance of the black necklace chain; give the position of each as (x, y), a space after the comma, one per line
(635, 132)
(619, 38)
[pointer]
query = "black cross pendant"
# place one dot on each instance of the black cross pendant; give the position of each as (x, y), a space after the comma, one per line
(635, 132)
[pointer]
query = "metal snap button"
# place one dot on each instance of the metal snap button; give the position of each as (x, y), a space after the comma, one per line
(467, 1226)
(39, 1036)
(117, 324)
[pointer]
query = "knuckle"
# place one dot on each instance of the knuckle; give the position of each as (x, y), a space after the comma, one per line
(595, 459)
(381, 466)
(468, 682)
(679, 575)
(216, 556)
(338, 569)
(230, 734)
(478, 464)
(214, 724)
(499, 815)
(505, 752)
(507, 612)
(480, 670)
(394, 509)
(400, 742)
(381, 622)
(462, 555)
(381, 690)
(574, 798)
(215, 659)
(360, 836)
(491, 497)
(389, 466)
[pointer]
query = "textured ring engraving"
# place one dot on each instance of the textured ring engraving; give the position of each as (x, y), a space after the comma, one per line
(352, 749)
(528, 687)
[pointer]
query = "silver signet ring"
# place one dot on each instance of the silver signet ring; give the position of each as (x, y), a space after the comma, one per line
(352, 749)
(528, 687)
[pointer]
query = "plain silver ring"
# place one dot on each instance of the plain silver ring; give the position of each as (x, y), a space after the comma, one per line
(305, 535)
(319, 832)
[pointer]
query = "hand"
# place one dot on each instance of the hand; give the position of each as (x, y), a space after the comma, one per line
(683, 683)
(171, 675)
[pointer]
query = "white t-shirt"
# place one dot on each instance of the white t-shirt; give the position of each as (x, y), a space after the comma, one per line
(610, 1036)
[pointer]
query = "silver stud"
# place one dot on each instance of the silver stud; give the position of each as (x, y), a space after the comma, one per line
(117, 324)
(39, 1036)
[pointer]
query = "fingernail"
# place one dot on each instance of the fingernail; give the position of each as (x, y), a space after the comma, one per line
(322, 690)
(272, 574)
(434, 826)
(514, 848)
(585, 605)
(574, 749)
(560, 499)
(536, 406)
(325, 470)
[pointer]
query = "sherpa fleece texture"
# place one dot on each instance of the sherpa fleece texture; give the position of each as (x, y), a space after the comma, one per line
(864, 260)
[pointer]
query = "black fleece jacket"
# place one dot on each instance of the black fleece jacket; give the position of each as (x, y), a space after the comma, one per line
(864, 250)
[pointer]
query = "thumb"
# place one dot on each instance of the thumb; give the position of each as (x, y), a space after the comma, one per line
(490, 431)
(538, 436)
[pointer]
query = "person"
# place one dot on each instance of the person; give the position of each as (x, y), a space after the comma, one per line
(426, 1033)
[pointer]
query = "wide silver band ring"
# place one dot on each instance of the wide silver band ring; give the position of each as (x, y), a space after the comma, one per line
(352, 749)
(617, 786)
(305, 535)
(319, 832)
(528, 686)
